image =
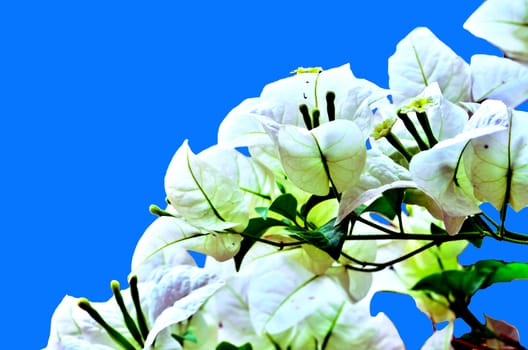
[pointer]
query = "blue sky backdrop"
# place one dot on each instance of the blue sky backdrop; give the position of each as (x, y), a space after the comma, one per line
(96, 96)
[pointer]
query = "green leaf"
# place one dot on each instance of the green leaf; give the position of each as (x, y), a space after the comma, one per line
(255, 229)
(228, 346)
(461, 285)
(389, 204)
(285, 205)
(313, 201)
(188, 335)
(502, 271)
(437, 230)
(329, 237)
(262, 211)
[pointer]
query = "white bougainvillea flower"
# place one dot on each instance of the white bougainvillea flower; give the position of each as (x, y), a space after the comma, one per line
(331, 154)
(497, 164)
(352, 95)
(203, 194)
(503, 25)
(440, 171)
(421, 59)
(171, 296)
(499, 78)
(354, 99)
(444, 119)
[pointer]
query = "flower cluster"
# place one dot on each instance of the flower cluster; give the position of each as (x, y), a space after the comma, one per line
(321, 192)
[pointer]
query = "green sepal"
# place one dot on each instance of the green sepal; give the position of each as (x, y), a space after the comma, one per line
(254, 230)
(329, 237)
(228, 346)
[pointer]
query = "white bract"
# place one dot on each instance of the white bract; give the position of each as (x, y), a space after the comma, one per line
(441, 172)
(256, 121)
(422, 59)
(497, 163)
(353, 96)
(503, 25)
(507, 81)
(168, 237)
(203, 194)
(331, 154)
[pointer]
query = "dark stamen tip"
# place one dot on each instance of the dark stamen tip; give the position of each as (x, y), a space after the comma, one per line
(306, 116)
(330, 105)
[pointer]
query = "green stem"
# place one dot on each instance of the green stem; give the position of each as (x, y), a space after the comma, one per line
(381, 266)
(509, 175)
(129, 321)
(374, 225)
(316, 114)
(487, 217)
(508, 236)
(142, 322)
(426, 126)
(280, 245)
(504, 208)
(396, 143)
(461, 310)
(115, 335)
(417, 237)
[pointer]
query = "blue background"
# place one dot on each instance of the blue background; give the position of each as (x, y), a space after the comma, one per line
(95, 97)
